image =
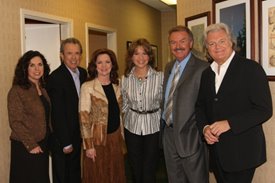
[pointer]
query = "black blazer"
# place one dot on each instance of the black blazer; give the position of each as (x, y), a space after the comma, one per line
(64, 98)
(244, 100)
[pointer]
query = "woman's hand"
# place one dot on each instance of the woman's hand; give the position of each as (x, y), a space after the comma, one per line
(91, 153)
(36, 150)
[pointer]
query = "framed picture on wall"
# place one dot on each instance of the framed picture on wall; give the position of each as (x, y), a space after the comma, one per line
(128, 43)
(239, 16)
(267, 37)
(155, 50)
(197, 25)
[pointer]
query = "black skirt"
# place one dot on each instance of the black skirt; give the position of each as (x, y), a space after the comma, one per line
(26, 167)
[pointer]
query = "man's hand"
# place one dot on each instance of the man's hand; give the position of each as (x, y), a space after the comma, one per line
(209, 136)
(68, 149)
(219, 127)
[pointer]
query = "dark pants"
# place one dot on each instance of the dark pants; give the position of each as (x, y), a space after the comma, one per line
(26, 167)
(66, 167)
(143, 154)
(190, 169)
(221, 176)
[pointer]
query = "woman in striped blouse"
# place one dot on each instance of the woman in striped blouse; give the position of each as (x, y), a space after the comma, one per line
(142, 95)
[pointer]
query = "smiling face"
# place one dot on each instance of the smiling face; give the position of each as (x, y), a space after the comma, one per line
(103, 65)
(35, 69)
(180, 44)
(219, 46)
(71, 56)
(140, 58)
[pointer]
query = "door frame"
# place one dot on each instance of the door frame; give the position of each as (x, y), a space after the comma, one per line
(66, 24)
(111, 37)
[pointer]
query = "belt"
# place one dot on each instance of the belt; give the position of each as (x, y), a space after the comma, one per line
(145, 112)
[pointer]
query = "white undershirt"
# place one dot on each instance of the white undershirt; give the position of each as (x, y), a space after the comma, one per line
(220, 72)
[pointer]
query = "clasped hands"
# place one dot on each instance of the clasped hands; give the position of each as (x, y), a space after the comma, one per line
(213, 131)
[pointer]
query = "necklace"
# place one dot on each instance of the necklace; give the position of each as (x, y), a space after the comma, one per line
(140, 79)
(141, 74)
(104, 82)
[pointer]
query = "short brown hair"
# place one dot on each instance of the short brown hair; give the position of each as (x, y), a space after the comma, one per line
(70, 40)
(181, 28)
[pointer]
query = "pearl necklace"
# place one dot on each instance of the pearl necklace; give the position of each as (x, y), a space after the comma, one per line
(104, 82)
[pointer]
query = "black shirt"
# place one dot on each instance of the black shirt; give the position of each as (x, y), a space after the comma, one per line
(113, 109)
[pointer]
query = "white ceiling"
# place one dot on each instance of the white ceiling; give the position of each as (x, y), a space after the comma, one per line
(157, 4)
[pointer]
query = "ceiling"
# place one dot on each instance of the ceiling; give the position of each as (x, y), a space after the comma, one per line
(157, 4)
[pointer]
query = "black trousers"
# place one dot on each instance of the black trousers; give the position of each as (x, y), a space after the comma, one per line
(66, 167)
(143, 155)
(244, 176)
(26, 167)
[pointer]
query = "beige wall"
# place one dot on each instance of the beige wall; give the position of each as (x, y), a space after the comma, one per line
(130, 18)
(265, 173)
(168, 20)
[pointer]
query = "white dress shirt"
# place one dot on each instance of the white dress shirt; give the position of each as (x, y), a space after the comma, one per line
(220, 71)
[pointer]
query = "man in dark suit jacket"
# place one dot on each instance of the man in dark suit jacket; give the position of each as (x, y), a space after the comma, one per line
(234, 100)
(184, 151)
(63, 86)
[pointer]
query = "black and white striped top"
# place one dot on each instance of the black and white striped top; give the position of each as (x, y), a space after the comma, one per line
(145, 95)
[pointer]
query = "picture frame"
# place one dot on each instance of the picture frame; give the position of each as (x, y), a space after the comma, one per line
(239, 16)
(267, 37)
(197, 25)
(128, 43)
(154, 48)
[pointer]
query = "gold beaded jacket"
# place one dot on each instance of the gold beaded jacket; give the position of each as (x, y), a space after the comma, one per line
(93, 111)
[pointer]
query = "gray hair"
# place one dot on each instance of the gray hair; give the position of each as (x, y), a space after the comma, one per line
(219, 27)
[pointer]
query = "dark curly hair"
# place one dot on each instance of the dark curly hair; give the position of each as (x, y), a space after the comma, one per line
(21, 70)
(92, 65)
(131, 50)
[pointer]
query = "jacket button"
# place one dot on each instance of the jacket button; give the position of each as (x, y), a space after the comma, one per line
(216, 99)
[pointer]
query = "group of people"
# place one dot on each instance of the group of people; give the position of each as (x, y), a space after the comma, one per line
(204, 116)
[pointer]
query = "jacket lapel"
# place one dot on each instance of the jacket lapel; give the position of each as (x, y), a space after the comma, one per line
(98, 90)
(227, 80)
(69, 79)
(167, 73)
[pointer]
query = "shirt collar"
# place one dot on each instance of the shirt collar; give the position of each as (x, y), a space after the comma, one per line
(225, 65)
(183, 62)
(149, 73)
(76, 73)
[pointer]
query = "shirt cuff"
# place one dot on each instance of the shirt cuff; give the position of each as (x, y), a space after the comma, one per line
(204, 128)
(68, 147)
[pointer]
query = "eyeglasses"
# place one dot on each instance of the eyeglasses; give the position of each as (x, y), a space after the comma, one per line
(221, 43)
